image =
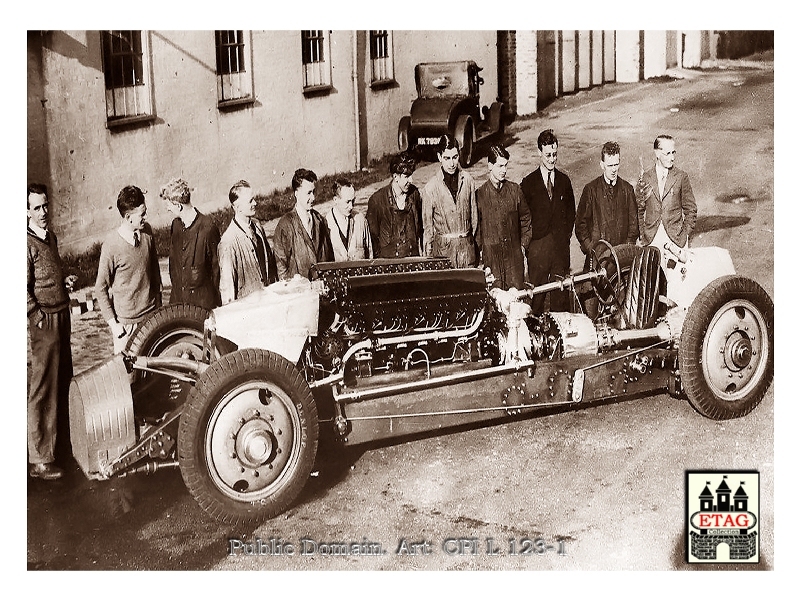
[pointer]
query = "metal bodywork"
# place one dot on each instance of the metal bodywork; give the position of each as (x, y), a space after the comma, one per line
(448, 101)
(392, 347)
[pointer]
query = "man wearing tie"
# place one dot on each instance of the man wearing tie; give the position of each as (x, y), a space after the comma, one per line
(301, 236)
(246, 262)
(666, 205)
(551, 201)
(128, 285)
(350, 238)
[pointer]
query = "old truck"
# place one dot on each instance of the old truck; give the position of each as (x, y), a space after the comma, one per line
(448, 101)
(376, 349)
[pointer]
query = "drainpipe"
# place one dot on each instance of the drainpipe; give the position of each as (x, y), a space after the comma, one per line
(356, 119)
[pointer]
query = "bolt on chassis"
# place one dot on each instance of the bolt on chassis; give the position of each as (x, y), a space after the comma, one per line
(375, 349)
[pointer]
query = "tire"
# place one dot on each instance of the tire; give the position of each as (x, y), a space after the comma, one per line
(726, 353)
(404, 141)
(173, 330)
(465, 135)
(248, 437)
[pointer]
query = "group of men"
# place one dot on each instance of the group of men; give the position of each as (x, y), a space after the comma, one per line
(499, 225)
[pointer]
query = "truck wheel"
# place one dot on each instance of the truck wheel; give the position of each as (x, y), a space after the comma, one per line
(247, 438)
(726, 353)
(173, 330)
(464, 135)
(404, 140)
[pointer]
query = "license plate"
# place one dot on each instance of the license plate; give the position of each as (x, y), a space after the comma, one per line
(428, 141)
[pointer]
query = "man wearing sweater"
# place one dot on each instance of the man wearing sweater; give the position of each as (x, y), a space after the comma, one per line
(49, 328)
(128, 285)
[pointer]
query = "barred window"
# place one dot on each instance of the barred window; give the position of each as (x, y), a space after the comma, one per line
(234, 79)
(316, 66)
(127, 76)
(381, 56)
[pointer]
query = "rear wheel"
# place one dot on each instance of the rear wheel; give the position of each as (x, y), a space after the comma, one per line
(726, 353)
(465, 134)
(247, 439)
(173, 330)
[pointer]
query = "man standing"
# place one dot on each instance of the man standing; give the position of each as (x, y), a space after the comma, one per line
(301, 236)
(504, 223)
(49, 329)
(246, 262)
(449, 212)
(350, 238)
(551, 201)
(607, 208)
(667, 209)
(394, 213)
(128, 286)
(193, 264)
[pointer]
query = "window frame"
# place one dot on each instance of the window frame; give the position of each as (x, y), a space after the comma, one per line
(381, 67)
(317, 74)
(235, 88)
(139, 92)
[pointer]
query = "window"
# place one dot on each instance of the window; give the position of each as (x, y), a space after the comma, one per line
(380, 53)
(127, 76)
(234, 79)
(316, 64)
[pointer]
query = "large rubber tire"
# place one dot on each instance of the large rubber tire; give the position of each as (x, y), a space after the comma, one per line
(404, 141)
(726, 353)
(465, 136)
(248, 436)
(173, 330)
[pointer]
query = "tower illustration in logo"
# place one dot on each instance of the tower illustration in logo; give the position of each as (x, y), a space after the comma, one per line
(722, 526)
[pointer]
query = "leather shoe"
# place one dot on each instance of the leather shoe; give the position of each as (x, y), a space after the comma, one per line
(46, 471)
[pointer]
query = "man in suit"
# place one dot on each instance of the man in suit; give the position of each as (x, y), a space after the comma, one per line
(301, 237)
(667, 210)
(49, 329)
(246, 262)
(551, 202)
(350, 237)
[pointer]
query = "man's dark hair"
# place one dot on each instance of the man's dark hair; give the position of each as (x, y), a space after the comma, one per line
(302, 175)
(36, 188)
(547, 138)
(402, 163)
(340, 183)
(130, 197)
(657, 143)
(497, 151)
(609, 149)
(233, 195)
(446, 142)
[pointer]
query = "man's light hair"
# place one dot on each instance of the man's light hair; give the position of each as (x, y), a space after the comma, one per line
(176, 191)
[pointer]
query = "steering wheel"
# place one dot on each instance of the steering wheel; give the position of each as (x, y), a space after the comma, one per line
(608, 288)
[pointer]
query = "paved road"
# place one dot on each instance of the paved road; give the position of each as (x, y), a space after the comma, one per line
(607, 481)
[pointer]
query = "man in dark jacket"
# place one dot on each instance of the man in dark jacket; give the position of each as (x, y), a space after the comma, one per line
(394, 213)
(49, 328)
(606, 211)
(551, 201)
(193, 259)
(301, 237)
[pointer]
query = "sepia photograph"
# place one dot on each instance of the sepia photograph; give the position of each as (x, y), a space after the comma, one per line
(401, 300)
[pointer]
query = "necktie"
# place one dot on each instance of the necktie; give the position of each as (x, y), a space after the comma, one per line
(550, 184)
(662, 177)
(135, 239)
(261, 253)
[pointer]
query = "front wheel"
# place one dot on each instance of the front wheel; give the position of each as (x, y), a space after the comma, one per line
(726, 353)
(248, 435)
(464, 134)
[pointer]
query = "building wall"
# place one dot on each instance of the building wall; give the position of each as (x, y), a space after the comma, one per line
(38, 156)
(584, 58)
(385, 107)
(627, 56)
(609, 56)
(568, 62)
(527, 73)
(655, 53)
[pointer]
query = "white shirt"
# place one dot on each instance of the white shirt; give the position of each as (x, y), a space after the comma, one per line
(130, 236)
(305, 219)
(40, 233)
(661, 175)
